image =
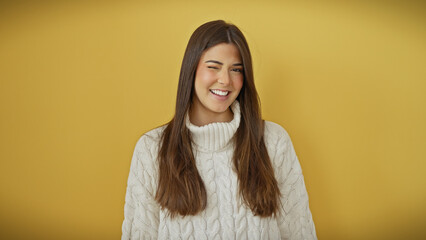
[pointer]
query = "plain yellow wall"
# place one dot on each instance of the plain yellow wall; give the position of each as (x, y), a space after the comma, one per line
(80, 82)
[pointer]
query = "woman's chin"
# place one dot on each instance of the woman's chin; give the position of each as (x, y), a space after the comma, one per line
(219, 109)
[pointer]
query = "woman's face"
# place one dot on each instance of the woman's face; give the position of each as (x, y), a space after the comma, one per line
(218, 81)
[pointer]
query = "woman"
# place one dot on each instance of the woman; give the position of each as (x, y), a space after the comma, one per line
(216, 170)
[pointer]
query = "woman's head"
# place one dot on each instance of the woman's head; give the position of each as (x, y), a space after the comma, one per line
(207, 37)
(218, 81)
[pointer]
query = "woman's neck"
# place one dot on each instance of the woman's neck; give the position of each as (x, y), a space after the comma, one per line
(200, 116)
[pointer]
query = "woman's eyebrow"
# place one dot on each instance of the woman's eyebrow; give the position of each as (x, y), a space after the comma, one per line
(214, 61)
(220, 63)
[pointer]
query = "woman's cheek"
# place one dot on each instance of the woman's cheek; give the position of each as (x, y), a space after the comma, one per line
(239, 82)
(207, 75)
(201, 79)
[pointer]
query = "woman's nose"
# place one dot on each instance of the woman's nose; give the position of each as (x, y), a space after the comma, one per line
(224, 79)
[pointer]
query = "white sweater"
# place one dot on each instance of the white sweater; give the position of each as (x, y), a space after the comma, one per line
(225, 217)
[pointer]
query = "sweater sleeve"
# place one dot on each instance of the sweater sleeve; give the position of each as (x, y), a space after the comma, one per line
(295, 218)
(141, 212)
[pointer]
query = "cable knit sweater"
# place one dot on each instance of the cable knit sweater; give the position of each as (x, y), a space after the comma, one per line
(225, 216)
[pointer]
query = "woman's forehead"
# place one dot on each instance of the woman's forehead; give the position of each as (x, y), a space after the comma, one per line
(223, 51)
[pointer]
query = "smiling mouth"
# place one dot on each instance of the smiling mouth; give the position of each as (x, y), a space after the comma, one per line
(219, 92)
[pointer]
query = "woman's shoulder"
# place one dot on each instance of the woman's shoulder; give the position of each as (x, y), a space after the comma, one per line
(279, 145)
(156, 133)
(274, 131)
(150, 138)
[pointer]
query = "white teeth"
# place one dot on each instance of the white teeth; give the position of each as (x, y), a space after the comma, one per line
(219, 92)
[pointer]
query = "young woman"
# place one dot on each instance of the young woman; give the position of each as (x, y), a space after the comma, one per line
(216, 170)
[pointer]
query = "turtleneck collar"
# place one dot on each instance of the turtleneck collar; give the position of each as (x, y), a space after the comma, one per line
(215, 136)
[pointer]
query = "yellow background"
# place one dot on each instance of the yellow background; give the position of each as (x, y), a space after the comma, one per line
(80, 82)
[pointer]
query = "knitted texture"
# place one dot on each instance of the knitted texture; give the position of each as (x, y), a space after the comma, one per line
(225, 216)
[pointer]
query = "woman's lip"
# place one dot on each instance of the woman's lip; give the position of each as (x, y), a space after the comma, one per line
(221, 91)
(220, 96)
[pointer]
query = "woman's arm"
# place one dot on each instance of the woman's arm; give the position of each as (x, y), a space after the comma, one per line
(141, 212)
(295, 218)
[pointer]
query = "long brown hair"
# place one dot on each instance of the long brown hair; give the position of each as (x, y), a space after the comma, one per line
(181, 189)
